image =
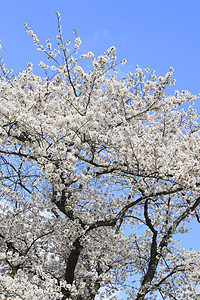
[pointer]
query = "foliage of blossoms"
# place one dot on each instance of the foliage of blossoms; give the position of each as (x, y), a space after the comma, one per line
(97, 176)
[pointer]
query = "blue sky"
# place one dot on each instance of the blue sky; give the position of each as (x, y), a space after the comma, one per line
(155, 34)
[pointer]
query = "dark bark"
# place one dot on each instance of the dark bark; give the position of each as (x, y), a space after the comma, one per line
(154, 259)
(72, 261)
(153, 263)
(71, 266)
(154, 256)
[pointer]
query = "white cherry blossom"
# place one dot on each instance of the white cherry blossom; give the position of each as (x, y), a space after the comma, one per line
(97, 176)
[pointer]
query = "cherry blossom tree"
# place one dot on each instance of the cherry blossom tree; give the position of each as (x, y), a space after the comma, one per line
(97, 176)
